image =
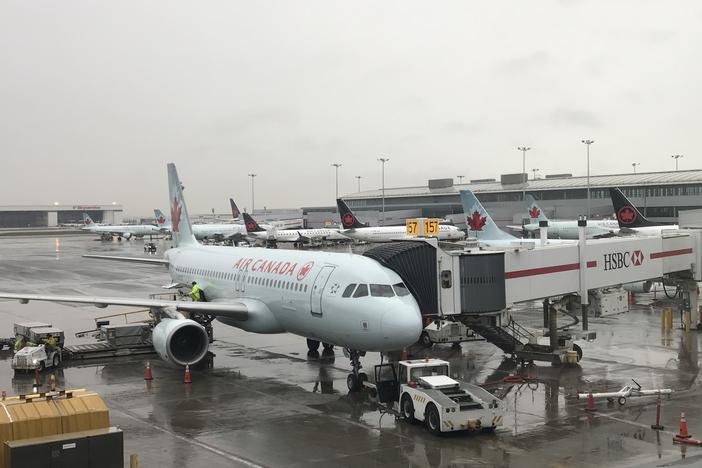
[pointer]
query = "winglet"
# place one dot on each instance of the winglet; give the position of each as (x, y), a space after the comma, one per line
(478, 221)
(180, 221)
(536, 214)
(251, 224)
(627, 214)
(348, 219)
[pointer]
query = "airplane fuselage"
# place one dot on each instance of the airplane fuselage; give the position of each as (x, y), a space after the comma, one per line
(294, 235)
(302, 293)
(394, 233)
(138, 230)
(569, 229)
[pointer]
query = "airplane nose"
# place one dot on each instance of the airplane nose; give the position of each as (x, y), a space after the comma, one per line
(401, 326)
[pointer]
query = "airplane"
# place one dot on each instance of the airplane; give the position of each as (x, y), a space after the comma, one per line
(630, 219)
(354, 229)
(126, 231)
(566, 229)
(341, 299)
(206, 231)
(482, 227)
(296, 236)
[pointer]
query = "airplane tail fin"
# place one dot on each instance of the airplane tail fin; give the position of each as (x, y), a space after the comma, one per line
(480, 224)
(251, 224)
(235, 209)
(627, 214)
(87, 220)
(348, 219)
(180, 221)
(536, 214)
(161, 219)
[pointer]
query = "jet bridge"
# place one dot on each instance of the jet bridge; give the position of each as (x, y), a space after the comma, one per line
(465, 282)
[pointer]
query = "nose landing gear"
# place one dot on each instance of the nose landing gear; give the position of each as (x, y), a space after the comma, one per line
(356, 379)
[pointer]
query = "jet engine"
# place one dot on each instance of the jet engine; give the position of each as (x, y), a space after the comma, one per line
(127, 235)
(180, 341)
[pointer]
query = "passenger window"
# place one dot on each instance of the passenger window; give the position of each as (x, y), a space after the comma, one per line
(381, 290)
(361, 291)
(401, 290)
(349, 290)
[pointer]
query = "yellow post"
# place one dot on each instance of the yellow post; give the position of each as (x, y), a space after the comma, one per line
(134, 461)
(687, 318)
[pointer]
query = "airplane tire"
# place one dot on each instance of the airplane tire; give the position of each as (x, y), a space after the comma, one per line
(328, 346)
(362, 378)
(352, 383)
(312, 345)
(425, 340)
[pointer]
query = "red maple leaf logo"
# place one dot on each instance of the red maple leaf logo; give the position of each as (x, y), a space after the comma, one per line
(250, 226)
(626, 215)
(347, 220)
(476, 221)
(175, 215)
(304, 270)
(534, 212)
(88, 221)
(161, 220)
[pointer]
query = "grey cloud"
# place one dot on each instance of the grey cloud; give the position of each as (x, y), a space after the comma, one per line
(574, 117)
(525, 63)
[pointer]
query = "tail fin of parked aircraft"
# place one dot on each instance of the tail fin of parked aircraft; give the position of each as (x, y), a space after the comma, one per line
(87, 220)
(180, 221)
(536, 214)
(627, 214)
(348, 219)
(161, 219)
(251, 224)
(235, 209)
(480, 224)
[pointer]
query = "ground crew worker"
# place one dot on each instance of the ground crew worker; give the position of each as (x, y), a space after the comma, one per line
(50, 343)
(196, 293)
(18, 344)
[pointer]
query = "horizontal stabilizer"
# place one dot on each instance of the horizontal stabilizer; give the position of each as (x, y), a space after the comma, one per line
(153, 261)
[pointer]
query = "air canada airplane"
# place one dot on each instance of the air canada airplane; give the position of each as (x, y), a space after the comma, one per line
(354, 229)
(205, 231)
(340, 299)
(127, 231)
(630, 219)
(483, 228)
(296, 236)
(566, 229)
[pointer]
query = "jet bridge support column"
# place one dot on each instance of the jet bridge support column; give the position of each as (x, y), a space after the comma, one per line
(553, 328)
(547, 306)
(584, 299)
(693, 296)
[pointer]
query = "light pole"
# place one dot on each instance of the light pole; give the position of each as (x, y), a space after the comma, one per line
(523, 149)
(588, 143)
(676, 157)
(460, 178)
(634, 166)
(358, 178)
(336, 169)
(383, 161)
(535, 170)
(252, 192)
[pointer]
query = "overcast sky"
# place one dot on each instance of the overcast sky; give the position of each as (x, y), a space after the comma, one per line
(96, 97)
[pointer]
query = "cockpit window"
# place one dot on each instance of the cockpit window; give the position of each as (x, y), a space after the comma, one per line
(381, 290)
(361, 291)
(401, 289)
(349, 290)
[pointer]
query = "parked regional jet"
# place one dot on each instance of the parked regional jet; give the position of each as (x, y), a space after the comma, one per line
(296, 236)
(566, 229)
(127, 231)
(630, 219)
(206, 231)
(341, 299)
(482, 227)
(354, 229)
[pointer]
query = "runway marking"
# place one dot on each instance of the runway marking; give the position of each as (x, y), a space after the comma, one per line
(209, 448)
(633, 423)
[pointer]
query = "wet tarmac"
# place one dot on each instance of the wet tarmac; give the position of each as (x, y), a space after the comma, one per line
(265, 402)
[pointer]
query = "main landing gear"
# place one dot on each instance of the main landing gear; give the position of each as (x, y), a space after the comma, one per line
(355, 380)
(313, 346)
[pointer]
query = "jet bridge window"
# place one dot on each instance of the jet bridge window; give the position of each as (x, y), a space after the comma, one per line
(361, 291)
(349, 290)
(381, 290)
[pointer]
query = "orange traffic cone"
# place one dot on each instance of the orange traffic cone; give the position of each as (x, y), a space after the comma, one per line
(683, 434)
(187, 375)
(148, 371)
(590, 406)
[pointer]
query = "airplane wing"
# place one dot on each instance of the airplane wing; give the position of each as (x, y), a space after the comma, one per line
(153, 261)
(302, 238)
(234, 310)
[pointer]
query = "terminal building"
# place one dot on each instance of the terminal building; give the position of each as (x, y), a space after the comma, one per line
(659, 195)
(23, 216)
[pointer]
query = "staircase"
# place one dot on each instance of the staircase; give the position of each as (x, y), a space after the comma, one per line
(497, 336)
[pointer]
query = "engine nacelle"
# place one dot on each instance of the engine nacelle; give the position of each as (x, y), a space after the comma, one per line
(181, 341)
(127, 235)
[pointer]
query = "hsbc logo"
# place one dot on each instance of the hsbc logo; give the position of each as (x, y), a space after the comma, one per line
(617, 260)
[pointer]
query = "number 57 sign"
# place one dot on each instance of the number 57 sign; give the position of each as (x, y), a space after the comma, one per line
(422, 227)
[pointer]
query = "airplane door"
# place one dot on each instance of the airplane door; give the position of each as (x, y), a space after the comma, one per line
(318, 288)
(241, 284)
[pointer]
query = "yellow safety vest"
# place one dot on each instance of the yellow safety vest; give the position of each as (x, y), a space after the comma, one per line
(195, 293)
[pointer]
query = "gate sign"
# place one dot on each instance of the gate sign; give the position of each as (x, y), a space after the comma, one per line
(431, 227)
(422, 227)
(412, 227)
